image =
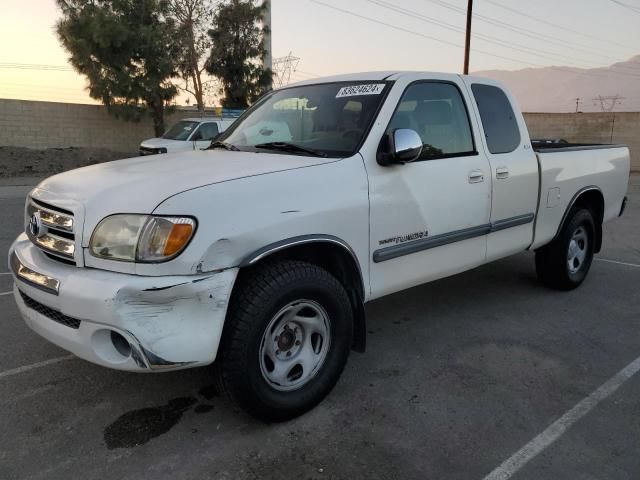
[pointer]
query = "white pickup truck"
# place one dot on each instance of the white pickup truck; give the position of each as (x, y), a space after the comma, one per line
(260, 252)
(187, 134)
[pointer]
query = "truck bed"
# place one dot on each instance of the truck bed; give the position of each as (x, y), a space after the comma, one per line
(566, 170)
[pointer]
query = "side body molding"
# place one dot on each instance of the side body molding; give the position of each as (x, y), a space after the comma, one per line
(395, 251)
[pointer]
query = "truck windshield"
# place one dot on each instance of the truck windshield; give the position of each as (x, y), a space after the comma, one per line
(316, 120)
(181, 130)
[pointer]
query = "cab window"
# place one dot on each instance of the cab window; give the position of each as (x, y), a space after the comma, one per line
(207, 132)
(331, 119)
(437, 112)
(181, 130)
(498, 120)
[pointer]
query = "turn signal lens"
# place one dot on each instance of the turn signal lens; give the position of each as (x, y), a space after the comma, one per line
(163, 238)
(178, 238)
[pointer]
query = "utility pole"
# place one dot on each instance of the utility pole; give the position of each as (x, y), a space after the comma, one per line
(467, 40)
(268, 54)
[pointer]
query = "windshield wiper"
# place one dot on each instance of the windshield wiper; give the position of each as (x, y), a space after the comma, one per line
(290, 147)
(225, 145)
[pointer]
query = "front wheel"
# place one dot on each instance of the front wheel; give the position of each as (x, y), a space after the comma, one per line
(564, 263)
(287, 339)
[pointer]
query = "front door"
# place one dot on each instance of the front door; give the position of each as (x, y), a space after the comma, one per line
(203, 136)
(430, 218)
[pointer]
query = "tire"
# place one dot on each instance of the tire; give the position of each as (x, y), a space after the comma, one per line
(564, 263)
(279, 375)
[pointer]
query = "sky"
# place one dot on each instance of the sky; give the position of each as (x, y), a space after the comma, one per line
(339, 36)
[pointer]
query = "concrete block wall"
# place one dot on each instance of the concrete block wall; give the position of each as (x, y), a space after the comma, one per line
(58, 125)
(619, 127)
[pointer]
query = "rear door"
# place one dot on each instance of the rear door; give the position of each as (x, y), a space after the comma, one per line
(429, 218)
(514, 168)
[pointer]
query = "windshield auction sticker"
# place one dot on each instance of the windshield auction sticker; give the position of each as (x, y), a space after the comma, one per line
(355, 90)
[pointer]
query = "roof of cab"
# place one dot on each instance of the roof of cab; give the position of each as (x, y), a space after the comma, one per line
(206, 119)
(360, 76)
(378, 76)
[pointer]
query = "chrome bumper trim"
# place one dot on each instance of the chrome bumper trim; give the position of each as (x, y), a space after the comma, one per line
(35, 279)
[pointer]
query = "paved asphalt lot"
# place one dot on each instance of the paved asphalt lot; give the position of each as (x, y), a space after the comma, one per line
(458, 376)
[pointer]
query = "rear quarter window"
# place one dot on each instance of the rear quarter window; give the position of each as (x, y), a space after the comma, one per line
(498, 119)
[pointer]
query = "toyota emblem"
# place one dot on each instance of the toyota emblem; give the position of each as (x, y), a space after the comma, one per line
(35, 225)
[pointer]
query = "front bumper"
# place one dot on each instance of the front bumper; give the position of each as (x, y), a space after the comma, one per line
(151, 150)
(126, 322)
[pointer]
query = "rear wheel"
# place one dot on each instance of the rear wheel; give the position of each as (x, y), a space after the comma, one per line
(287, 339)
(564, 263)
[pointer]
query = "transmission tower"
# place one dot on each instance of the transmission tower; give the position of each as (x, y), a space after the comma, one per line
(211, 90)
(607, 104)
(283, 67)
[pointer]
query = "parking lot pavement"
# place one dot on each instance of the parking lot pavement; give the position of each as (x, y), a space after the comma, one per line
(458, 375)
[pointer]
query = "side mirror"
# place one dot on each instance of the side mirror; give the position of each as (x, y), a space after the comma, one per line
(403, 145)
(407, 145)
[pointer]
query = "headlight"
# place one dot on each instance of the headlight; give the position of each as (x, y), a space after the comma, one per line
(141, 238)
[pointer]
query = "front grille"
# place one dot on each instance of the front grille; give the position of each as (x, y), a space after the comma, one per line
(50, 313)
(52, 230)
(59, 259)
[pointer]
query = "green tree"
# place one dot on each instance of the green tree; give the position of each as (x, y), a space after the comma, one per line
(237, 52)
(193, 18)
(126, 49)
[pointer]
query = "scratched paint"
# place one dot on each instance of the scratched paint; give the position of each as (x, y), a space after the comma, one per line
(180, 323)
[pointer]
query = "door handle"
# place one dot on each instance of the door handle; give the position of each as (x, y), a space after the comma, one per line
(502, 172)
(476, 176)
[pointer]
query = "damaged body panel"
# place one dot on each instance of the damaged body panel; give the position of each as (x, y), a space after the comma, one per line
(168, 322)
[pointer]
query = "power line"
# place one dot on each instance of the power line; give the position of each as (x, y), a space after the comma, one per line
(412, 32)
(419, 34)
(40, 87)
(628, 7)
(310, 74)
(547, 22)
(537, 36)
(485, 38)
(630, 68)
(35, 66)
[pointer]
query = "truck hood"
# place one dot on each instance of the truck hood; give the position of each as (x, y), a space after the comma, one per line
(138, 185)
(161, 142)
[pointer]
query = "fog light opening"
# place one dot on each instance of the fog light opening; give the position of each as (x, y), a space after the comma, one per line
(120, 344)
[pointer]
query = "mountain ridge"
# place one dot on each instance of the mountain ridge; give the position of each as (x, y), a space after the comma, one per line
(555, 88)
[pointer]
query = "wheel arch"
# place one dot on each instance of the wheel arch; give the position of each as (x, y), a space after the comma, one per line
(592, 199)
(328, 252)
